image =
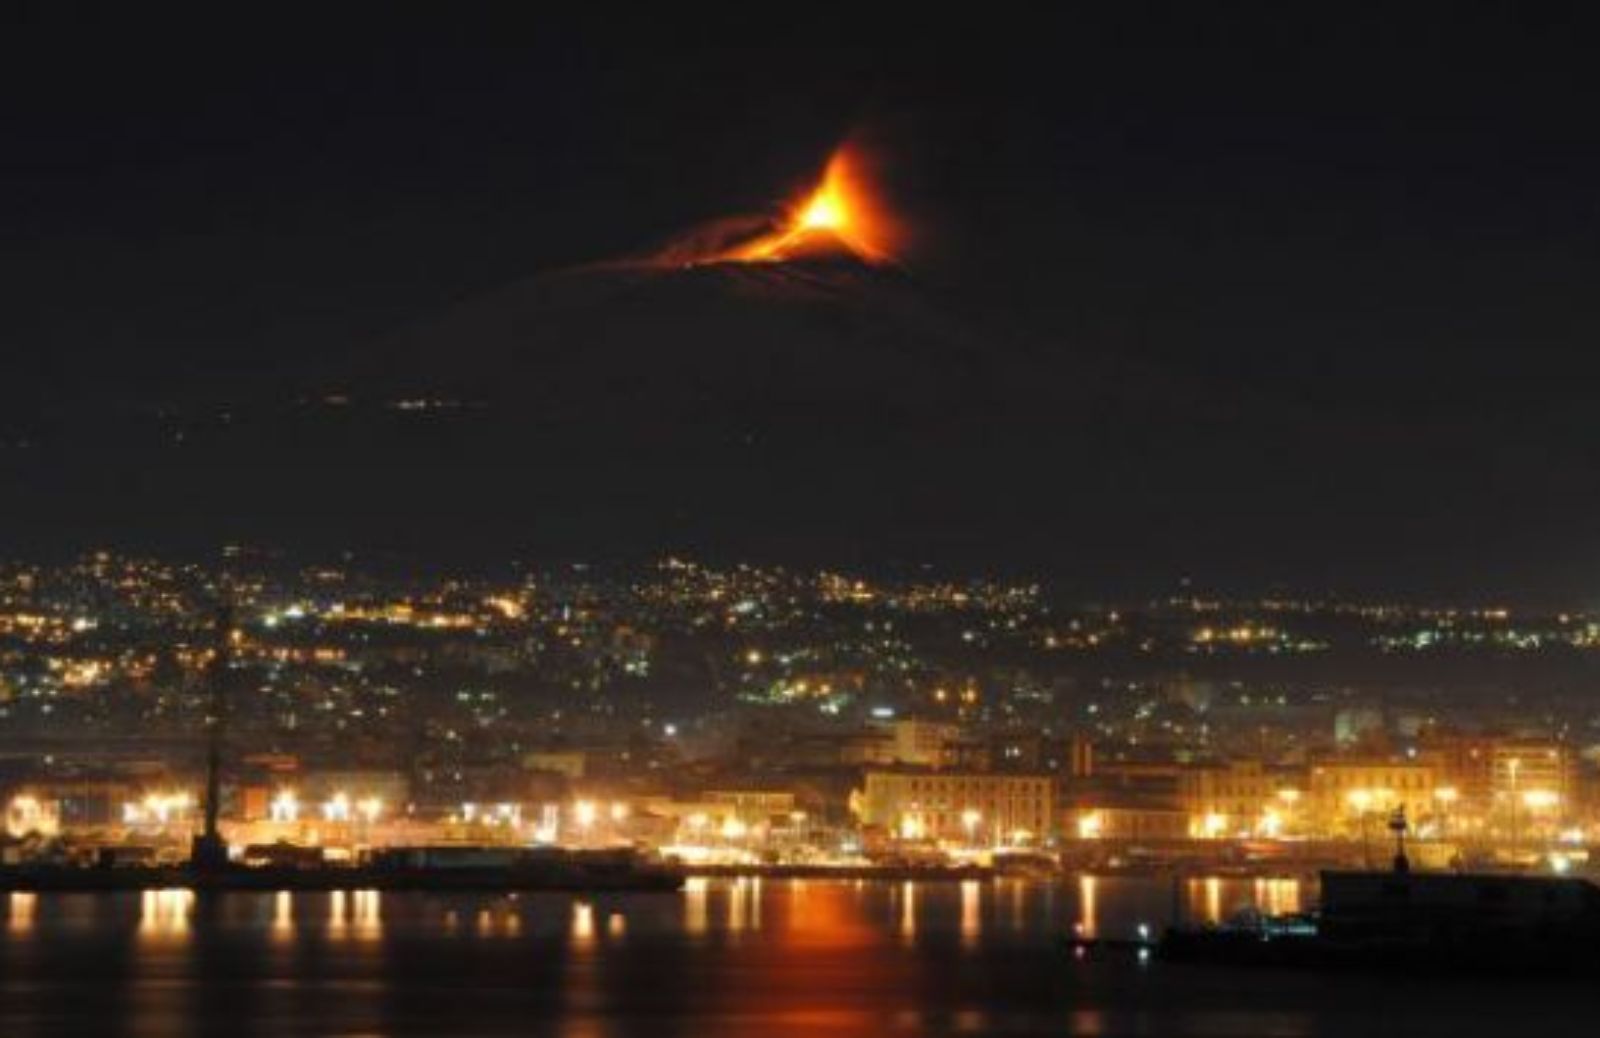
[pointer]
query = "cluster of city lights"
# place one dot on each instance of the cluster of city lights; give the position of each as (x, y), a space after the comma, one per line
(286, 807)
(156, 808)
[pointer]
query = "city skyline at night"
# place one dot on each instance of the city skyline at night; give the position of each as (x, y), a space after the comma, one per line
(838, 521)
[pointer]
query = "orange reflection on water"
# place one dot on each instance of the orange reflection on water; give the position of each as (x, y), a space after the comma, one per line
(583, 932)
(695, 920)
(971, 927)
(827, 915)
(1213, 900)
(282, 914)
(744, 905)
(736, 906)
(366, 909)
(824, 934)
(1088, 905)
(19, 912)
(354, 914)
(1277, 896)
(165, 913)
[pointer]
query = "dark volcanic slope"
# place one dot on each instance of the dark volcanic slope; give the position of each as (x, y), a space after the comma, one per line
(759, 349)
(821, 406)
(818, 409)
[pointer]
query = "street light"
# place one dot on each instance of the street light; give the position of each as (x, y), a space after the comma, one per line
(285, 807)
(1090, 825)
(26, 813)
(911, 827)
(969, 820)
(1540, 799)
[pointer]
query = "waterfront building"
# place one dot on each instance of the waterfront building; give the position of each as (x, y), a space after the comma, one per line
(962, 807)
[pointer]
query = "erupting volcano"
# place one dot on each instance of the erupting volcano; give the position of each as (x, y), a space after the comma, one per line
(784, 372)
(841, 215)
(793, 326)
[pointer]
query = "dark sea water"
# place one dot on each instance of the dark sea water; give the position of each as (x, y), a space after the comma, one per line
(765, 958)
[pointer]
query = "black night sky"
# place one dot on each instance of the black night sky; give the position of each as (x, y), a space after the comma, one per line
(1298, 300)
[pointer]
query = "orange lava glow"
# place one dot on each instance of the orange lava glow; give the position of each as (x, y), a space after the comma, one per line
(842, 212)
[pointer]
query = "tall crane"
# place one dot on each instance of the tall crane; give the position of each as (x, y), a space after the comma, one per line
(210, 850)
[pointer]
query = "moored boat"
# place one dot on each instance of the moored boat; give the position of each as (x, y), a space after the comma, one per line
(1416, 922)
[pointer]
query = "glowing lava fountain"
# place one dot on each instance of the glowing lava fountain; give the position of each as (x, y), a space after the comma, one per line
(842, 213)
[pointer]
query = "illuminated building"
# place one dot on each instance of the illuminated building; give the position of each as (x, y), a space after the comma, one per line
(1517, 766)
(1125, 819)
(931, 744)
(1343, 794)
(1225, 799)
(751, 805)
(570, 764)
(940, 806)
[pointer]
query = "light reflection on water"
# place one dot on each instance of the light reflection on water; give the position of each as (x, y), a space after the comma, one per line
(165, 913)
(975, 911)
(582, 924)
(695, 910)
(282, 914)
(722, 957)
(1277, 896)
(19, 912)
(971, 920)
(1213, 900)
